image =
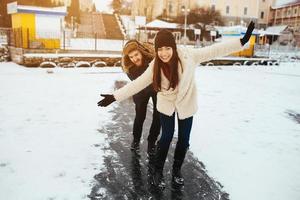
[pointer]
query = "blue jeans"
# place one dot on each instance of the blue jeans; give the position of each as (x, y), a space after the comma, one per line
(168, 127)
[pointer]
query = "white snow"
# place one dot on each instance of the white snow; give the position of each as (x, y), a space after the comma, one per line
(161, 24)
(242, 131)
(89, 44)
(48, 129)
(60, 55)
(129, 25)
(275, 30)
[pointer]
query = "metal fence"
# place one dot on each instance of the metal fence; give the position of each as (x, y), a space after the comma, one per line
(5, 36)
(277, 51)
(67, 40)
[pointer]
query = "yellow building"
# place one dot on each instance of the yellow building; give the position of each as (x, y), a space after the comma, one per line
(36, 27)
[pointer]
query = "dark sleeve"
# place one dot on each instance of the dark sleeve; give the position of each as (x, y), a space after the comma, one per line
(130, 76)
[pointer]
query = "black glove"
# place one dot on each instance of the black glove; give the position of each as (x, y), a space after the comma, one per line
(248, 33)
(108, 99)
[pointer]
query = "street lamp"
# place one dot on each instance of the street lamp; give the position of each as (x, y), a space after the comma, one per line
(185, 10)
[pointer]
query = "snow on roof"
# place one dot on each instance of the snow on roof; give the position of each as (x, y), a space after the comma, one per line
(288, 3)
(276, 30)
(42, 10)
(161, 24)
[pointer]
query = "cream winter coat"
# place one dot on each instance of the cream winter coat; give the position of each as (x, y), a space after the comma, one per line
(182, 99)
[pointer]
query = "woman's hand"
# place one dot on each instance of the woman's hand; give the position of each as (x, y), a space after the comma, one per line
(248, 33)
(108, 99)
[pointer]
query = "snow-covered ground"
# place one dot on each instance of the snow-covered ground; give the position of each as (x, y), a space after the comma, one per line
(244, 131)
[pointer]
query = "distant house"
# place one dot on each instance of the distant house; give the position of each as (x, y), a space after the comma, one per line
(36, 27)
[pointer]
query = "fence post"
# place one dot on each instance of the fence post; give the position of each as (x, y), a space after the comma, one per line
(15, 37)
(95, 41)
(28, 40)
(21, 44)
(64, 39)
(8, 35)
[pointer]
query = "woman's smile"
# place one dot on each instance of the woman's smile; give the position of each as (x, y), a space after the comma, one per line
(165, 53)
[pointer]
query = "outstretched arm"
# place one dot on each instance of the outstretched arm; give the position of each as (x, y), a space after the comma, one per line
(130, 89)
(248, 33)
(221, 49)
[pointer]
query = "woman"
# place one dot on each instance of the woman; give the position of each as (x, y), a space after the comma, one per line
(172, 75)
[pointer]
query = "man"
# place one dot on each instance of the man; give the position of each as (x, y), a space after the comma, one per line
(135, 60)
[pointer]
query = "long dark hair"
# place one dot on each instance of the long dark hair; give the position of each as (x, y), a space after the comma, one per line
(172, 67)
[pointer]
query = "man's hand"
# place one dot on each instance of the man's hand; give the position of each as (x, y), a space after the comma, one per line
(108, 99)
(248, 33)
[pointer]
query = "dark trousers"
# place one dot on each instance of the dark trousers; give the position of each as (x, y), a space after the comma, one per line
(168, 127)
(141, 103)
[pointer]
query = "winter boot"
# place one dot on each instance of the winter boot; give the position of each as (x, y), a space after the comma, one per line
(179, 156)
(135, 146)
(151, 149)
(177, 177)
(158, 178)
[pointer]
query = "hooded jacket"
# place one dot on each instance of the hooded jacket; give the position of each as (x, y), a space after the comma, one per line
(182, 99)
(133, 71)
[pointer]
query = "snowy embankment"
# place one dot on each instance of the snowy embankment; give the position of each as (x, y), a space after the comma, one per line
(49, 141)
(245, 130)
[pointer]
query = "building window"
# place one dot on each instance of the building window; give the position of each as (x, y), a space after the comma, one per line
(295, 11)
(227, 9)
(278, 13)
(284, 13)
(262, 15)
(170, 8)
(213, 7)
(289, 12)
(263, 0)
(245, 10)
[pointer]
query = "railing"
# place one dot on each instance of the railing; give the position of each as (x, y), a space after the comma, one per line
(67, 40)
(276, 51)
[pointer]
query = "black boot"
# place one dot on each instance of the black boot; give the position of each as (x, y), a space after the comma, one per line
(179, 156)
(151, 148)
(135, 146)
(158, 178)
(177, 177)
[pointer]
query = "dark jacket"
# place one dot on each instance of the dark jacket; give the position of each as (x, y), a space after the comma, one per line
(133, 71)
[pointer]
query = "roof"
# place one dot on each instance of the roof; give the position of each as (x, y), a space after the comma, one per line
(275, 30)
(14, 8)
(161, 24)
(288, 4)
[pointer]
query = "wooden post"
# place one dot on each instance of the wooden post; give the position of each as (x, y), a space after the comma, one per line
(28, 39)
(95, 41)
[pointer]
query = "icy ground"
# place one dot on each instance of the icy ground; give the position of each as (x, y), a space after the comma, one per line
(246, 131)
